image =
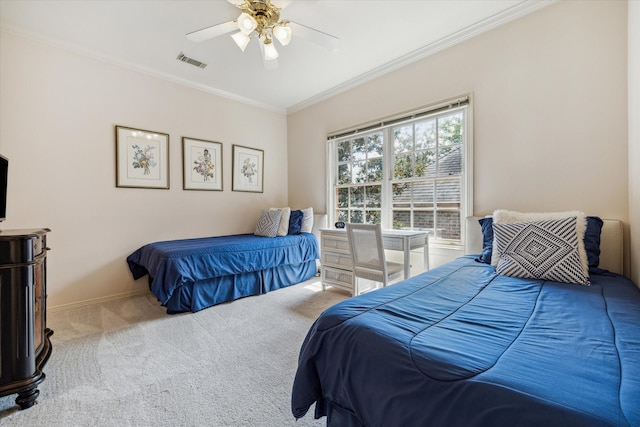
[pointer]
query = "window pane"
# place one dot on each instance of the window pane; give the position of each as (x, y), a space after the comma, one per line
(401, 195)
(373, 196)
(448, 225)
(357, 198)
(357, 217)
(359, 172)
(423, 192)
(401, 219)
(344, 174)
(374, 170)
(450, 161)
(343, 216)
(450, 129)
(448, 191)
(403, 139)
(375, 145)
(425, 163)
(423, 221)
(342, 197)
(373, 217)
(344, 151)
(426, 134)
(359, 149)
(403, 167)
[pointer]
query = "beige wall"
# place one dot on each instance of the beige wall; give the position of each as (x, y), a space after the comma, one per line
(58, 111)
(634, 137)
(549, 115)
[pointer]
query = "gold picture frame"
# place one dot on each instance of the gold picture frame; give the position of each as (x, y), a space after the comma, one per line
(201, 165)
(248, 169)
(142, 158)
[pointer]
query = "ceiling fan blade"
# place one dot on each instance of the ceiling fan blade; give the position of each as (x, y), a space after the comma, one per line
(327, 41)
(236, 2)
(212, 32)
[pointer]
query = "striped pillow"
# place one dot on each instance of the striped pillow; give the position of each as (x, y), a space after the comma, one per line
(547, 250)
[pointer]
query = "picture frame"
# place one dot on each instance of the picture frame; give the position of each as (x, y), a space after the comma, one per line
(201, 165)
(248, 169)
(142, 158)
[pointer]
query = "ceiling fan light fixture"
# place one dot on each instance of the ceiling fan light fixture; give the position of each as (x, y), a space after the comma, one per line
(270, 52)
(247, 23)
(282, 33)
(241, 39)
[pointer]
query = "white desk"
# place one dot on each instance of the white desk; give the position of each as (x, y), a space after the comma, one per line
(335, 253)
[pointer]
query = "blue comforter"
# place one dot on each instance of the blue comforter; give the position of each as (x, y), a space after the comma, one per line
(463, 346)
(171, 264)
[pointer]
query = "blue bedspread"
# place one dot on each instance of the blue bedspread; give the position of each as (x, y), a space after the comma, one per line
(174, 263)
(462, 346)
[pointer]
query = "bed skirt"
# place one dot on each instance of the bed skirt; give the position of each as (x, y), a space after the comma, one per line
(206, 293)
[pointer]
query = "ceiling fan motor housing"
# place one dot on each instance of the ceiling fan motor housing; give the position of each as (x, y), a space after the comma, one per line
(265, 14)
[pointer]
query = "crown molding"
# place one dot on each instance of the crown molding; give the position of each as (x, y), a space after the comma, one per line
(513, 13)
(523, 8)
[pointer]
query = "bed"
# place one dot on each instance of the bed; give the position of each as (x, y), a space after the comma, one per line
(462, 345)
(193, 274)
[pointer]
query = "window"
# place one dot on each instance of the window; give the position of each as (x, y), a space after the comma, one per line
(359, 179)
(413, 173)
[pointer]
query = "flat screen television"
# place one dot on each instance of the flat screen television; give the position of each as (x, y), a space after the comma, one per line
(4, 173)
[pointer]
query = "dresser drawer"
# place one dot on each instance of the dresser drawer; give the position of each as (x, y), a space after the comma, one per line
(335, 243)
(342, 278)
(336, 259)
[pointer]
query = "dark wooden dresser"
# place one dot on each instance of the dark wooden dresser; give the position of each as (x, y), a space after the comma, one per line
(24, 337)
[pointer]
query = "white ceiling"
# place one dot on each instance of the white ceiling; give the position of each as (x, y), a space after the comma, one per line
(375, 37)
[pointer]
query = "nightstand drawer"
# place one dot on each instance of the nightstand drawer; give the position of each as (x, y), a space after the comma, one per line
(335, 243)
(334, 275)
(336, 259)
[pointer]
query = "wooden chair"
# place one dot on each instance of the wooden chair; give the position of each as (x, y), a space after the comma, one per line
(367, 255)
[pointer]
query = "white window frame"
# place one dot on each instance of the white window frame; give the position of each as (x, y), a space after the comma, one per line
(439, 109)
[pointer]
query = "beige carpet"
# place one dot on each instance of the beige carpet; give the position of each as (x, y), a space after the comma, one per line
(128, 363)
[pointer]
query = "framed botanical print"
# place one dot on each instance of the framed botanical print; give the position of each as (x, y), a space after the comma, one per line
(202, 164)
(142, 158)
(248, 169)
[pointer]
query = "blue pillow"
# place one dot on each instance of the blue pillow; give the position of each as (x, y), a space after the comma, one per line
(295, 222)
(487, 240)
(592, 240)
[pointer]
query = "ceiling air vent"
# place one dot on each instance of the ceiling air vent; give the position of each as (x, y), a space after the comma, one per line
(191, 61)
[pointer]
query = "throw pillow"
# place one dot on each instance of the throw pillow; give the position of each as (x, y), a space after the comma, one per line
(487, 239)
(283, 228)
(546, 250)
(295, 222)
(268, 223)
(509, 217)
(592, 241)
(307, 220)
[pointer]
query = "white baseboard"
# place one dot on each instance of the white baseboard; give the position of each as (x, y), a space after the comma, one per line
(86, 303)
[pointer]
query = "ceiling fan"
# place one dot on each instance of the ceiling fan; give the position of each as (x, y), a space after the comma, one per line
(261, 18)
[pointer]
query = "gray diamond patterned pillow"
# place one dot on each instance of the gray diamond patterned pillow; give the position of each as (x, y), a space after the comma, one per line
(545, 250)
(268, 223)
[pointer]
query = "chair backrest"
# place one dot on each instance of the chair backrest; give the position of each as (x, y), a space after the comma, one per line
(367, 252)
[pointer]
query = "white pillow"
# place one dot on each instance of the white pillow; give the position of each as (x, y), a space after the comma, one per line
(268, 223)
(307, 220)
(283, 227)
